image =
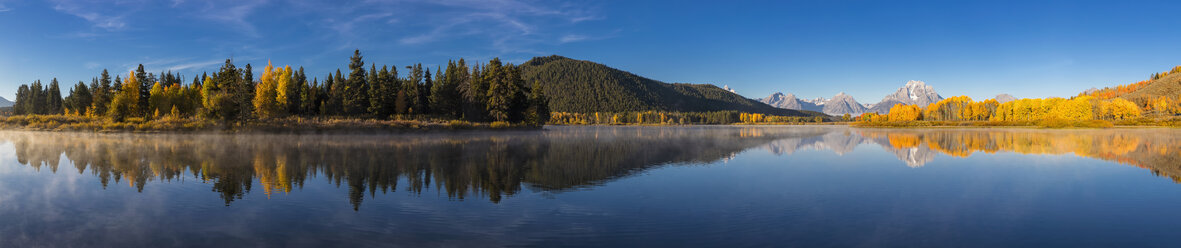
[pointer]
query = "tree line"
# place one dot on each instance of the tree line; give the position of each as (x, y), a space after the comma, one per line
(494, 92)
(963, 108)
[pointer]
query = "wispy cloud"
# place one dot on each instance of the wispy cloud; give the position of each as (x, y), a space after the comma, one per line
(4, 8)
(572, 38)
(507, 25)
(90, 12)
(233, 13)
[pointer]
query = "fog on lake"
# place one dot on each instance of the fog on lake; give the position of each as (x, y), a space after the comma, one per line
(594, 186)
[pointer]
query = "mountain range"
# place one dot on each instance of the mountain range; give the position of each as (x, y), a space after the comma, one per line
(4, 102)
(581, 86)
(914, 93)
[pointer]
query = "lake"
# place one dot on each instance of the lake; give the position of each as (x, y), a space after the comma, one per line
(713, 186)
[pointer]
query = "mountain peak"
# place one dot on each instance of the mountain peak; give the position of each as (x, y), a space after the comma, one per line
(913, 93)
(1003, 98)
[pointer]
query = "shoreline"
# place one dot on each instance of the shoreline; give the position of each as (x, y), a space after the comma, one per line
(285, 125)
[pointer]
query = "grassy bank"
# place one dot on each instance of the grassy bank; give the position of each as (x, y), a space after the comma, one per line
(272, 125)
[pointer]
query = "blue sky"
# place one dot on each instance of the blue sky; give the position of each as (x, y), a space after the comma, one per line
(811, 48)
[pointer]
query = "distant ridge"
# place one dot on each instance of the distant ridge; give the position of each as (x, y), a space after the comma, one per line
(583, 86)
(4, 102)
(913, 93)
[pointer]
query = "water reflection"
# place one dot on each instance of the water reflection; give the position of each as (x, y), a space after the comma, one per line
(490, 165)
(1158, 150)
(498, 165)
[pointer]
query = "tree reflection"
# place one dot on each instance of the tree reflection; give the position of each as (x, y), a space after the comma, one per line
(499, 165)
(491, 166)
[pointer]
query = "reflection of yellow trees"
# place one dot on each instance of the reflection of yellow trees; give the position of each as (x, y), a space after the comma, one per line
(1143, 148)
(903, 140)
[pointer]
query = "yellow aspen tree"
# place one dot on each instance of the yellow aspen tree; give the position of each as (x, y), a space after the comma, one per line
(284, 86)
(266, 93)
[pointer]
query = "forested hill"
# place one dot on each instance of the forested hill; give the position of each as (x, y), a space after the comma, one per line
(1160, 88)
(583, 86)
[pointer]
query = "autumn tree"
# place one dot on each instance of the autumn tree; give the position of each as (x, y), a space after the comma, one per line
(903, 112)
(1119, 109)
(266, 99)
(126, 103)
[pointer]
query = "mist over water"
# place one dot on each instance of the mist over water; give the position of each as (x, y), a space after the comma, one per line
(595, 186)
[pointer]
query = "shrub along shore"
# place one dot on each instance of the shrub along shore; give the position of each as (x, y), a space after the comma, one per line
(273, 125)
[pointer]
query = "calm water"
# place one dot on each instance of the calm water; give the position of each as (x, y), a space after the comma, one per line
(724, 186)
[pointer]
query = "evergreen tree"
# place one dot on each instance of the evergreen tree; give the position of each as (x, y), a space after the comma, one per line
(376, 103)
(356, 92)
(309, 97)
(101, 94)
(37, 98)
(145, 84)
(53, 98)
(502, 91)
(118, 85)
(79, 99)
(411, 88)
(538, 113)
(474, 91)
(297, 90)
(424, 95)
(23, 101)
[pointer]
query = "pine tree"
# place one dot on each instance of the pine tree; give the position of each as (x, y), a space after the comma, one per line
(118, 86)
(21, 106)
(376, 103)
(475, 92)
(53, 98)
(145, 84)
(424, 95)
(79, 99)
(442, 97)
(410, 88)
(356, 99)
(500, 91)
(102, 93)
(538, 113)
(296, 91)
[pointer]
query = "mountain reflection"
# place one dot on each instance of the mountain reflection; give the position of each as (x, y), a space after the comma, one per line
(1158, 150)
(501, 164)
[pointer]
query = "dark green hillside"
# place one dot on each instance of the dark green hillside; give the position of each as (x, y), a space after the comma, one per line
(583, 86)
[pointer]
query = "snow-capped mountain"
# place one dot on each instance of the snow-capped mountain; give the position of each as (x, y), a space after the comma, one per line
(789, 101)
(839, 105)
(817, 101)
(913, 93)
